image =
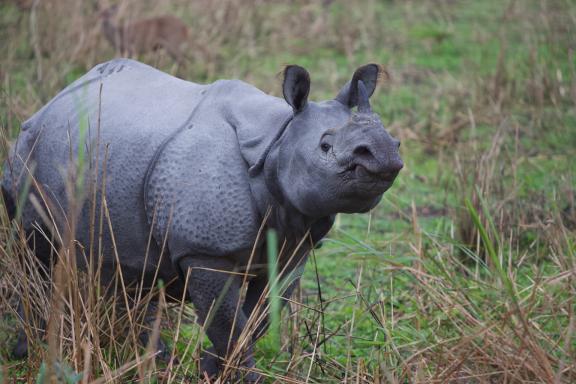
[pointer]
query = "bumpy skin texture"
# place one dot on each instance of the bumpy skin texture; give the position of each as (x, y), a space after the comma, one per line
(199, 167)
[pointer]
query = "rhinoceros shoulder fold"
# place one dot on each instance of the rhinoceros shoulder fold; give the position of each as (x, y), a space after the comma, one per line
(198, 192)
(256, 118)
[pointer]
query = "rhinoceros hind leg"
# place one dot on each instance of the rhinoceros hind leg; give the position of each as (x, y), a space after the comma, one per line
(20, 350)
(9, 204)
(33, 320)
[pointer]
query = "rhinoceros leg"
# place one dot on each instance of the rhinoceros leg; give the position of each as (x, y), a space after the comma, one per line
(42, 249)
(163, 352)
(20, 350)
(215, 294)
(252, 308)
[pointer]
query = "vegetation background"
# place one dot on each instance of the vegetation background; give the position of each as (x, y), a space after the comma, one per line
(465, 273)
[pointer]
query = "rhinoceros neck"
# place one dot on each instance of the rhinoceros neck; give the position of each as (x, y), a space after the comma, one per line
(259, 121)
(271, 203)
(284, 217)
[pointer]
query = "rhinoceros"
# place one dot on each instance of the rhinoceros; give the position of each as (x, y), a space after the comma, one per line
(203, 169)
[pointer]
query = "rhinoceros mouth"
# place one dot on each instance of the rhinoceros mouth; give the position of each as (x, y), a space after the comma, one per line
(364, 174)
(365, 183)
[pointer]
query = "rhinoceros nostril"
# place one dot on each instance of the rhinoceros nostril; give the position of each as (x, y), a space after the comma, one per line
(362, 151)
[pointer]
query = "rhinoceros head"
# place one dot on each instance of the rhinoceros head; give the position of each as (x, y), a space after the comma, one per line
(332, 158)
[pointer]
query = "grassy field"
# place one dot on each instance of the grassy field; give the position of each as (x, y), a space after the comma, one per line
(465, 273)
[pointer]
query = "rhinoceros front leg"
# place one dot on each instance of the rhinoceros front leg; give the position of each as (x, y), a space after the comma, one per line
(162, 351)
(215, 293)
(254, 304)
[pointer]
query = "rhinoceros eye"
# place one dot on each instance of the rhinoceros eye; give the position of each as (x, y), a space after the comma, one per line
(325, 147)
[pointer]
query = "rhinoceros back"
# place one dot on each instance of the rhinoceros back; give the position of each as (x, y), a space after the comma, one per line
(119, 113)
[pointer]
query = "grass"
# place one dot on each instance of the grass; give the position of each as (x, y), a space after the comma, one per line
(464, 272)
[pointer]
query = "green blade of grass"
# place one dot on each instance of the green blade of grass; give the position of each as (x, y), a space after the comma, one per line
(274, 294)
(491, 250)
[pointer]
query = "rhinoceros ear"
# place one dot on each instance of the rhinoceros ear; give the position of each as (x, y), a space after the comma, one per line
(296, 86)
(369, 75)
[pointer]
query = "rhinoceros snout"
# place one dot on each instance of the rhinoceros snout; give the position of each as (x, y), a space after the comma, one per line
(386, 172)
(377, 162)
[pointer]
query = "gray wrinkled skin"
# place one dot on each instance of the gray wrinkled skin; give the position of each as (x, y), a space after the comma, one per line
(199, 166)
